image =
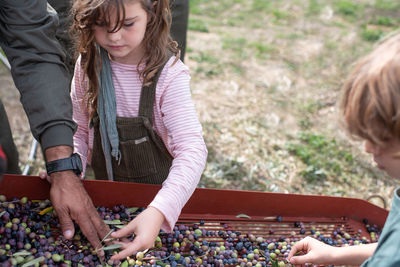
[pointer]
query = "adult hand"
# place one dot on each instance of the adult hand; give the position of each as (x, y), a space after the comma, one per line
(146, 227)
(314, 251)
(44, 175)
(72, 203)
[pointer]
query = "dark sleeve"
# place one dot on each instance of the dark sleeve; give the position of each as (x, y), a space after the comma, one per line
(27, 34)
(387, 252)
(63, 8)
(180, 18)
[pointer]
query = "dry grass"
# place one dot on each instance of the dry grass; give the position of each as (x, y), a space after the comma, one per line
(266, 77)
(259, 81)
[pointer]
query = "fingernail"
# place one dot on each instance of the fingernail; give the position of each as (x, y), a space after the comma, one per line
(68, 234)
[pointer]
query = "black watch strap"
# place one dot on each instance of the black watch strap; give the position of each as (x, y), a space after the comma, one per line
(73, 163)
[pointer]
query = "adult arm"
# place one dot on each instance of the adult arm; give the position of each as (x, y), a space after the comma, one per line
(27, 33)
(36, 58)
(179, 26)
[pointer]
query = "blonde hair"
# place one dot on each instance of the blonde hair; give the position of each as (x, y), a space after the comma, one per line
(370, 105)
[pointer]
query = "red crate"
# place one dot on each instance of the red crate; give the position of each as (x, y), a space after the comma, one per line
(220, 208)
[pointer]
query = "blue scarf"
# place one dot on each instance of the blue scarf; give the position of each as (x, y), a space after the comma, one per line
(107, 111)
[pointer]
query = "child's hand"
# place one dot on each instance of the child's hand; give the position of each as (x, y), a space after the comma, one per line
(314, 252)
(146, 227)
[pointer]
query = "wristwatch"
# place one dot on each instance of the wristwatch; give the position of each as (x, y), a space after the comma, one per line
(73, 163)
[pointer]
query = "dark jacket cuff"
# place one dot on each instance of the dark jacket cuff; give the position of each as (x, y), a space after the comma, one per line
(59, 135)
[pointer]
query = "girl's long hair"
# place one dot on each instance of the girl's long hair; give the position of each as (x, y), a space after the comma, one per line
(157, 41)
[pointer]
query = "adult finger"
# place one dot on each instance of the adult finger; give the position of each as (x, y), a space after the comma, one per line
(66, 224)
(101, 228)
(88, 229)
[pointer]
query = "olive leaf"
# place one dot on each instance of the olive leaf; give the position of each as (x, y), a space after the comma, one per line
(101, 261)
(2, 213)
(270, 218)
(132, 210)
(22, 253)
(113, 222)
(33, 262)
(274, 263)
(46, 210)
(242, 215)
(109, 233)
(112, 247)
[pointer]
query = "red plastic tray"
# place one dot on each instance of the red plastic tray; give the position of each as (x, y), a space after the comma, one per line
(219, 208)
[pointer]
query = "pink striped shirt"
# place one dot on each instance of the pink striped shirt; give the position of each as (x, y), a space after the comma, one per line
(174, 119)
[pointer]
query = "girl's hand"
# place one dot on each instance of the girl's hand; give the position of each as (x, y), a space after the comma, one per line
(314, 252)
(146, 227)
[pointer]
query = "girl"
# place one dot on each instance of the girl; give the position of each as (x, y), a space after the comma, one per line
(371, 110)
(132, 103)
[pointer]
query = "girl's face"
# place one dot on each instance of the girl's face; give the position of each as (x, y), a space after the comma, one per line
(125, 45)
(387, 157)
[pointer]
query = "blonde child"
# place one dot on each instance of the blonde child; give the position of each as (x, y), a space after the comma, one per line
(371, 110)
(132, 103)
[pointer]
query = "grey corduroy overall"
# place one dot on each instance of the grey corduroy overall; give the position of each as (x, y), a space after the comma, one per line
(145, 159)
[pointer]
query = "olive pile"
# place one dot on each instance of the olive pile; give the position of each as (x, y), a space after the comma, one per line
(30, 236)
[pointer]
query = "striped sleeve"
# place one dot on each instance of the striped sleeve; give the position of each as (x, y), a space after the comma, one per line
(185, 142)
(80, 114)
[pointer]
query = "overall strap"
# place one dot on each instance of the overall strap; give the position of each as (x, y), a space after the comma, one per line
(147, 96)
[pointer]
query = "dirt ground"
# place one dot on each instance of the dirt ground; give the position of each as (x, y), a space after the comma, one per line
(258, 82)
(19, 122)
